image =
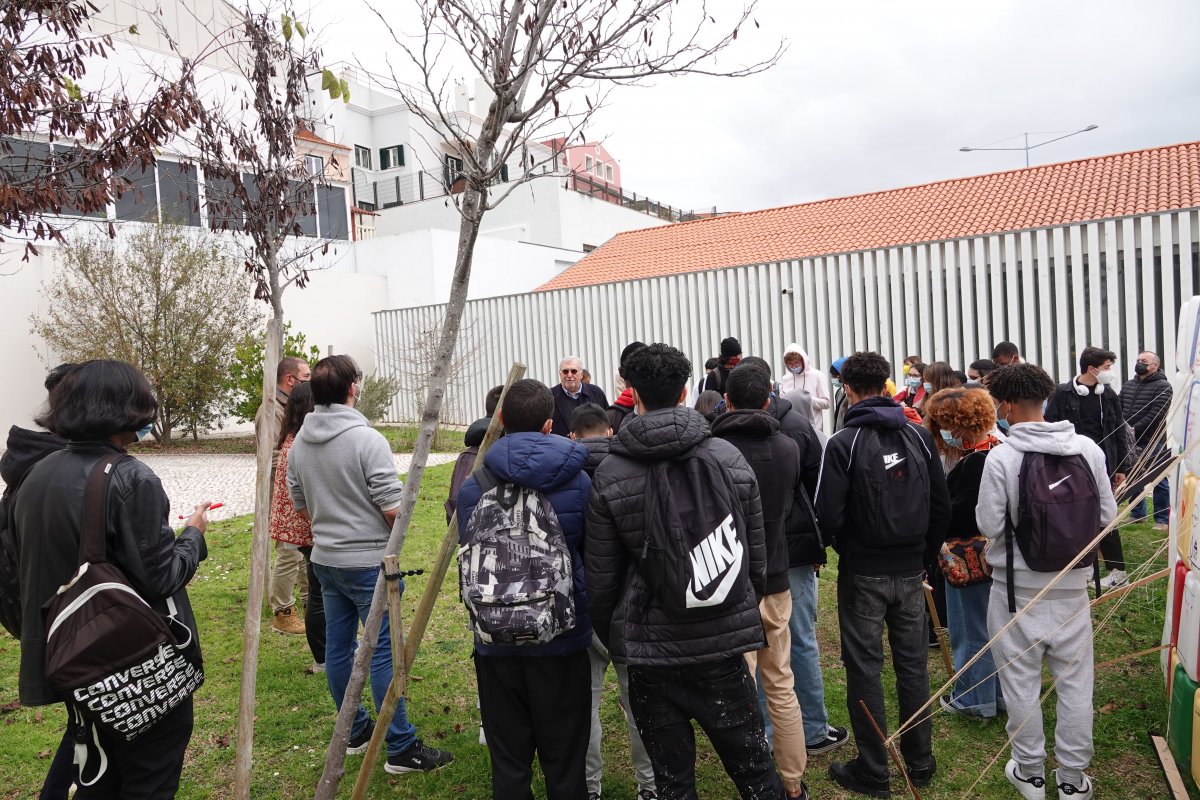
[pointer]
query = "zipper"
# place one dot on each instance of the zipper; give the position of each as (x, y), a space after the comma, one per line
(87, 595)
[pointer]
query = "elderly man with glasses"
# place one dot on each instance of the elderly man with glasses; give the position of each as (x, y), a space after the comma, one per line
(571, 392)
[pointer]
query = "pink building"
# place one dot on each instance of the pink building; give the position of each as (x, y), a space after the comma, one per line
(588, 160)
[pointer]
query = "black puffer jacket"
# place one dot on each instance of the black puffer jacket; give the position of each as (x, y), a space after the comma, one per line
(598, 449)
(625, 615)
(775, 459)
(805, 546)
(1064, 404)
(138, 539)
(1144, 403)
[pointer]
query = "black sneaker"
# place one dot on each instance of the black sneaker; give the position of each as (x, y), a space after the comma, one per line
(358, 744)
(922, 776)
(647, 794)
(803, 793)
(846, 775)
(418, 758)
(835, 738)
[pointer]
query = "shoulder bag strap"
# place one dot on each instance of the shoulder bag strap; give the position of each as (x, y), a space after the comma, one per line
(95, 507)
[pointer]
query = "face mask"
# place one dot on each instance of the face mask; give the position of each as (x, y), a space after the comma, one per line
(795, 370)
(837, 384)
(972, 382)
(145, 431)
(912, 383)
(1141, 369)
(1106, 376)
(949, 440)
(1002, 424)
(928, 386)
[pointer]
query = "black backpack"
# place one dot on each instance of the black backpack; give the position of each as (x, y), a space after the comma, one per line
(1058, 516)
(695, 556)
(889, 486)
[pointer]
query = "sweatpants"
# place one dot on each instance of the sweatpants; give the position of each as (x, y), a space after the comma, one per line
(289, 569)
(774, 669)
(1058, 630)
(642, 768)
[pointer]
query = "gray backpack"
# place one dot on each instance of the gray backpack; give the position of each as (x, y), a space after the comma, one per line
(514, 568)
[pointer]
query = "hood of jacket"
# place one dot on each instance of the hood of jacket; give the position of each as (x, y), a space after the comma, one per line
(666, 433)
(793, 347)
(536, 460)
(748, 423)
(475, 433)
(26, 448)
(1055, 438)
(326, 423)
(876, 412)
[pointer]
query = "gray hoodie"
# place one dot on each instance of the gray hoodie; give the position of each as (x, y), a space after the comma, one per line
(341, 470)
(998, 494)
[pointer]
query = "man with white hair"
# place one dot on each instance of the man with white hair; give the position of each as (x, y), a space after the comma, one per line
(571, 393)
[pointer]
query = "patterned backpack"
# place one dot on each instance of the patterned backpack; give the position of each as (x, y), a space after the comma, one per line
(514, 569)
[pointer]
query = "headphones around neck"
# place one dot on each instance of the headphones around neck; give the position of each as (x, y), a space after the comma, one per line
(1084, 391)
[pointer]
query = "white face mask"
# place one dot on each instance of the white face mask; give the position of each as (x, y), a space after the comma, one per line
(1106, 376)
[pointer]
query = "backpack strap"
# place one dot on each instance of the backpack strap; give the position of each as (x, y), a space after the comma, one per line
(486, 479)
(95, 510)
(1009, 533)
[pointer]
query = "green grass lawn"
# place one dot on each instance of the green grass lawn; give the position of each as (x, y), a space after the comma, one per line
(295, 712)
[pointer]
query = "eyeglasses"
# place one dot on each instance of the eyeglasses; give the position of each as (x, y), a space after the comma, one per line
(570, 372)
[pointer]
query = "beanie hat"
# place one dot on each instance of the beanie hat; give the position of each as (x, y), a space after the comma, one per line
(730, 347)
(837, 365)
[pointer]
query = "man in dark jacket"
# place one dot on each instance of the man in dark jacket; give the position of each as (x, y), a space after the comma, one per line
(882, 501)
(731, 356)
(684, 664)
(571, 392)
(1145, 399)
(1088, 403)
(775, 460)
(534, 698)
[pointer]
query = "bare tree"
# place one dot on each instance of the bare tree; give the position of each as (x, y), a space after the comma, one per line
(84, 137)
(412, 363)
(541, 60)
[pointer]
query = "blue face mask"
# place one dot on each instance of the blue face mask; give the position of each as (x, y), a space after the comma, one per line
(972, 382)
(145, 431)
(837, 384)
(949, 440)
(796, 370)
(912, 383)
(928, 386)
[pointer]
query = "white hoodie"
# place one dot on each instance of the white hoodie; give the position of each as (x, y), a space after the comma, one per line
(999, 494)
(811, 380)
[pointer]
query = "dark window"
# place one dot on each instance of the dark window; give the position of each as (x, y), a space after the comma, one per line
(331, 208)
(306, 212)
(63, 156)
(180, 193)
(137, 199)
(391, 157)
(504, 173)
(452, 170)
(362, 156)
(223, 207)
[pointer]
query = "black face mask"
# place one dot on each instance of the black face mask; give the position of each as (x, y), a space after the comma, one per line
(1141, 369)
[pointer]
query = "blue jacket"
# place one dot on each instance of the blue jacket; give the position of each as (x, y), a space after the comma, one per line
(553, 466)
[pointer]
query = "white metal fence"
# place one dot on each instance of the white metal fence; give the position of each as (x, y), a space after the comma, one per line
(1052, 291)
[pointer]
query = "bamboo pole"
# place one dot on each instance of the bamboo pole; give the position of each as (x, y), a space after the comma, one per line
(943, 635)
(259, 560)
(891, 748)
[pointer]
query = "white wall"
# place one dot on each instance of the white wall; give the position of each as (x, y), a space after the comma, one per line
(334, 310)
(24, 359)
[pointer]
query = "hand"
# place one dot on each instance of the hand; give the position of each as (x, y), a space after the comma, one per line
(1118, 479)
(199, 517)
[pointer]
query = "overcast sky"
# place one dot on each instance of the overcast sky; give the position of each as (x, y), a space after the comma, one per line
(879, 94)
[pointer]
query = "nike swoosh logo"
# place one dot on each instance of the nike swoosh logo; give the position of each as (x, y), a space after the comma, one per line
(1057, 482)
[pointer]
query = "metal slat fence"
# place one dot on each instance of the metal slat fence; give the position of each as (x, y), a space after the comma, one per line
(1115, 283)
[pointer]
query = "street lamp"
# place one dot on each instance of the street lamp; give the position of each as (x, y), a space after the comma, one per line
(1029, 146)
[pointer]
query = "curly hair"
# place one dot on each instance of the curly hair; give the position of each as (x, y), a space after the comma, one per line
(960, 409)
(866, 373)
(1020, 383)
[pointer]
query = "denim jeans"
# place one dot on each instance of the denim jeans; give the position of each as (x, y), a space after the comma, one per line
(347, 595)
(975, 691)
(806, 658)
(865, 604)
(719, 696)
(1162, 504)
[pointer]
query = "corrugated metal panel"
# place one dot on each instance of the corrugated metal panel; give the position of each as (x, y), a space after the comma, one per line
(1050, 291)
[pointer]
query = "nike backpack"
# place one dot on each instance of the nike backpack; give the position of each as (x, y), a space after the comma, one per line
(889, 487)
(695, 556)
(1058, 516)
(514, 568)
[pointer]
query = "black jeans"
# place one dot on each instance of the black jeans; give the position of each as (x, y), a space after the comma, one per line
(314, 610)
(865, 604)
(1110, 548)
(148, 768)
(542, 705)
(720, 696)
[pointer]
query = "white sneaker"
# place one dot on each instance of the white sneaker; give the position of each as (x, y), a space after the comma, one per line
(1115, 579)
(482, 736)
(1029, 788)
(1069, 791)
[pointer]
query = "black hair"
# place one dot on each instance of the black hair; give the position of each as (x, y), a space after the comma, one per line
(756, 362)
(1005, 350)
(332, 378)
(961, 377)
(97, 400)
(748, 386)
(866, 373)
(288, 365)
(983, 366)
(712, 363)
(589, 420)
(632, 347)
(919, 367)
(55, 376)
(1094, 357)
(658, 373)
(492, 400)
(1020, 383)
(527, 406)
(299, 404)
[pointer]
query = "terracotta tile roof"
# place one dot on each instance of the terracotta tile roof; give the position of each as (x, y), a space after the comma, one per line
(309, 136)
(1138, 182)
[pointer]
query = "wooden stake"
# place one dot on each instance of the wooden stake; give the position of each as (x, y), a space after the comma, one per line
(259, 560)
(891, 748)
(1170, 770)
(399, 685)
(943, 635)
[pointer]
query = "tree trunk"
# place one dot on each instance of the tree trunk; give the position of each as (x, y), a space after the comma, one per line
(259, 562)
(472, 216)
